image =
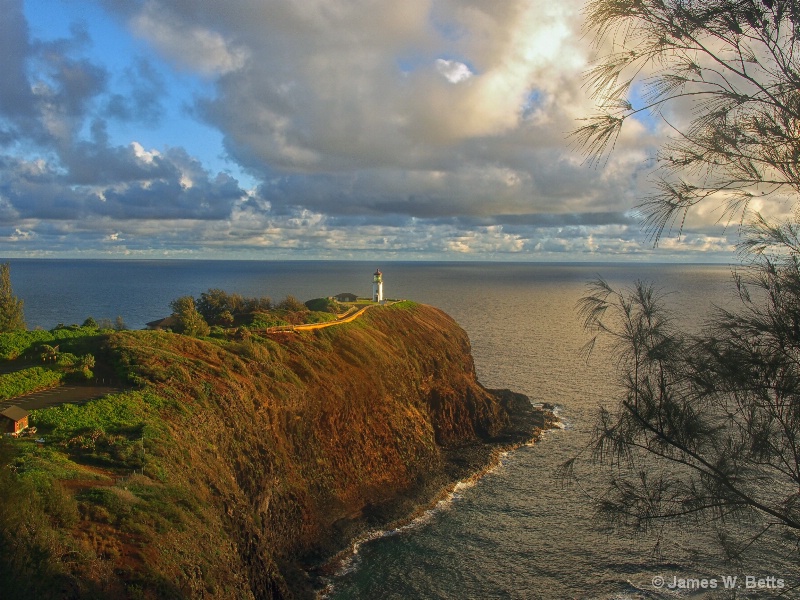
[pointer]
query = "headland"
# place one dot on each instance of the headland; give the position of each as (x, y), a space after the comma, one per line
(237, 463)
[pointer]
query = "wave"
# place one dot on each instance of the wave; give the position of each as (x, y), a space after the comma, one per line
(559, 421)
(347, 561)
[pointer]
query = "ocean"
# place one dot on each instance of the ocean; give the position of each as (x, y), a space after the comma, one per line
(521, 531)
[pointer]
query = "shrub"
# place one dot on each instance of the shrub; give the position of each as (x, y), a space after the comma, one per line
(319, 317)
(265, 320)
(28, 380)
(15, 344)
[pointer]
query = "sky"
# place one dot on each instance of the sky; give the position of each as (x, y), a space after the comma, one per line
(315, 129)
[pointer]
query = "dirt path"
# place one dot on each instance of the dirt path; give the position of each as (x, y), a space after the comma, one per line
(346, 318)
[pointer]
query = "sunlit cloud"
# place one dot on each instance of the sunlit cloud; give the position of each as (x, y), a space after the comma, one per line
(421, 129)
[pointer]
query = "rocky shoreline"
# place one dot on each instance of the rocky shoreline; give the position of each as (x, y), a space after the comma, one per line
(462, 463)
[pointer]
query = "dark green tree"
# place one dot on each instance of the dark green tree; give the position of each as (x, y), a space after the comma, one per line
(262, 304)
(292, 304)
(722, 408)
(215, 303)
(11, 315)
(707, 426)
(190, 321)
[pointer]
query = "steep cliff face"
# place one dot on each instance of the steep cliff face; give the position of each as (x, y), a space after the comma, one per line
(279, 448)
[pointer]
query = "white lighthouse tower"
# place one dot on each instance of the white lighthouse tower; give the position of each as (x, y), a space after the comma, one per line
(377, 287)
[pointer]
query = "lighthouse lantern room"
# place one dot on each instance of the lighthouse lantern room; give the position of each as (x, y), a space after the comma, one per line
(377, 286)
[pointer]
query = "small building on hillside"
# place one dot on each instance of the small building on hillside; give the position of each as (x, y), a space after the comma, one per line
(346, 298)
(14, 419)
(165, 323)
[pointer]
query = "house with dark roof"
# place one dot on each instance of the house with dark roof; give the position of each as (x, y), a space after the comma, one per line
(13, 419)
(165, 323)
(346, 298)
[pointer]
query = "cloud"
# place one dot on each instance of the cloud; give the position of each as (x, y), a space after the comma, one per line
(59, 112)
(426, 128)
(453, 71)
(191, 45)
(16, 99)
(322, 89)
(140, 100)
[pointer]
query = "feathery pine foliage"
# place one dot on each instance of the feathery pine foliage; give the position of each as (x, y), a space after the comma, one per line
(190, 321)
(730, 68)
(720, 411)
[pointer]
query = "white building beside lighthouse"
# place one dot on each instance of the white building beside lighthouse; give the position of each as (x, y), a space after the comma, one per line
(377, 287)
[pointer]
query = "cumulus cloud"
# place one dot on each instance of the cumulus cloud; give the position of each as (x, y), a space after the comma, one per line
(453, 71)
(343, 85)
(61, 165)
(191, 45)
(15, 92)
(420, 128)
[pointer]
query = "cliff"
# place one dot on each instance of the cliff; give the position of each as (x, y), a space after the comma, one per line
(238, 464)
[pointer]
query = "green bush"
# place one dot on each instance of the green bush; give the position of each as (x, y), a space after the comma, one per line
(17, 343)
(320, 317)
(28, 380)
(113, 413)
(324, 305)
(266, 320)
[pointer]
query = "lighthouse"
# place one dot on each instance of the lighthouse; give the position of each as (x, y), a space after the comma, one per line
(377, 286)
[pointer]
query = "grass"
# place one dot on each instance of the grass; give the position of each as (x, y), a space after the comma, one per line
(112, 432)
(404, 305)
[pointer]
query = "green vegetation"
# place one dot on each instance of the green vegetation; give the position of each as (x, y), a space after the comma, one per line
(29, 380)
(189, 320)
(325, 305)
(96, 492)
(109, 431)
(404, 305)
(221, 308)
(27, 344)
(40, 359)
(220, 314)
(292, 304)
(11, 315)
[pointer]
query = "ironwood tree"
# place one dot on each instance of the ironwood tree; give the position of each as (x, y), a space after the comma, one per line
(707, 426)
(190, 321)
(12, 317)
(723, 76)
